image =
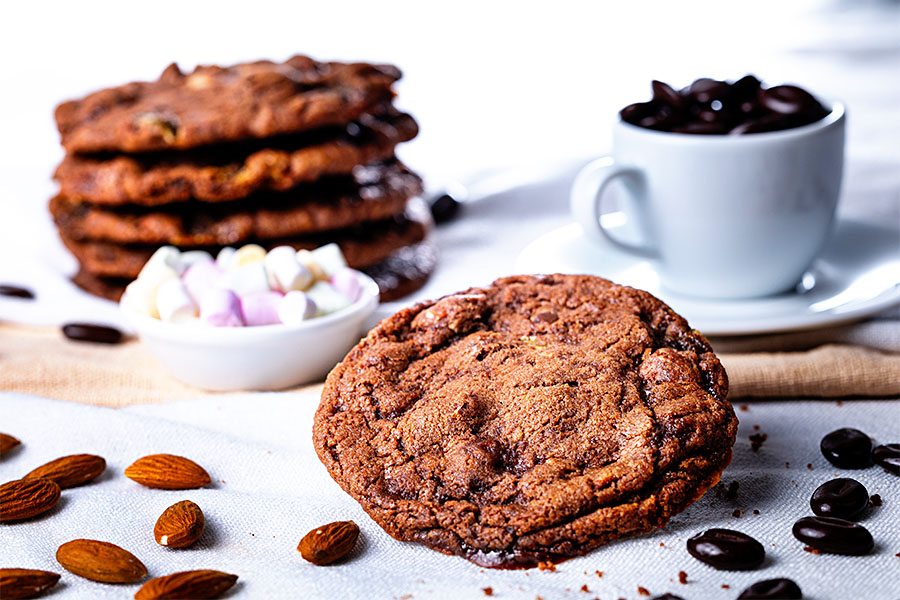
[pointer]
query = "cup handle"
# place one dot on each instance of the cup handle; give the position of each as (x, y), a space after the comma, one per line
(587, 195)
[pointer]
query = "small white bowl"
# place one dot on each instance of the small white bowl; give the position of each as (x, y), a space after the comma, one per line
(265, 357)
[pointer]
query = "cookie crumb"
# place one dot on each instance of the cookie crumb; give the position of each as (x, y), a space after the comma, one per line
(811, 550)
(662, 545)
(756, 428)
(682, 577)
(839, 403)
(787, 464)
(599, 574)
(585, 589)
(744, 407)
(732, 491)
(643, 591)
(547, 566)
(725, 586)
(488, 591)
(755, 511)
(875, 500)
(757, 440)
(736, 514)
(809, 466)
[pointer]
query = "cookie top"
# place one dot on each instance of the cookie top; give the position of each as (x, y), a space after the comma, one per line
(217, 104)
(530, 420)
(370, 193)
(236, 170)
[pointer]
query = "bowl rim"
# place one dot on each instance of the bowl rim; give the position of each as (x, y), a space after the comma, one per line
(149, 326)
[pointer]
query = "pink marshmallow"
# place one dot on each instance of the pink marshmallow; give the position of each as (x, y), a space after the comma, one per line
(261, 308)
(346, 281)
(221, 308)
(200, 277)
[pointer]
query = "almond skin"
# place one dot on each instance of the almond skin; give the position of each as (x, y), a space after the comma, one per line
(167, 472)
(328, 543)
(25, 583)
(100, 561)
(70, 471)
(7, 443)
(180, 525)
(26, 498)
(205, 583)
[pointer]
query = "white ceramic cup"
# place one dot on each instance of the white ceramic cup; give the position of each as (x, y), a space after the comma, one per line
(721, 216)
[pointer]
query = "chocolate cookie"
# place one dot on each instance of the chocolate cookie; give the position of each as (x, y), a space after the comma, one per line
(362, 246)
(401, 273)
(371, 193)
(531, 420)
(232, 171)
(218, 104)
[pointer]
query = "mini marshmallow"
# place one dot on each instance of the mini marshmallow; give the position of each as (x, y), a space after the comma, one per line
(173, 302)
(329, 257)
(296, 307)
(193, 256)
(140, 297)
(346, 281)
(162, 266)
(221, 308)
(225, 257)
(327, 299)
(201, 276)
(306, 258)
(261, 308)
(246, 279)
(285, 272)
(248, 254)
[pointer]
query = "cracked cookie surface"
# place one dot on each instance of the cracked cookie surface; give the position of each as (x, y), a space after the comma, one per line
(531, 420)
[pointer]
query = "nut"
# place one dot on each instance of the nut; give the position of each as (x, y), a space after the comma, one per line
(7, 443)
(180, 525)
(100, 561)
(70, 471)
(26, 498)
(167, 472)
(204, 583)
(25, 583)
(328, 543)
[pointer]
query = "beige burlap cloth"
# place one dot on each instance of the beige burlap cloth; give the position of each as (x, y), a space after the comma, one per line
(39, 360)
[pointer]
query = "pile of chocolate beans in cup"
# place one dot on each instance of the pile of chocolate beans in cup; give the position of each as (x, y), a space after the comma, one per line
(713, 107)
(837, 504)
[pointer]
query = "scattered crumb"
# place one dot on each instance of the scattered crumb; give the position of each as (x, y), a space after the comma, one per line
(839, 403)
(787, 465)
(725, 586)
(221, 481)
(682, 577)
(547, 566)
(643, 591)
(755, 511)
(809, 466)
(736, 514)
(897, 555)
(732, 491)
(488, 591)
(661, 545)
(811, 550)
(405, 597)
(744, 407)
(756, 428)
(875, 500)
(585, 589)
(599, 573)
(253, 534)
(757, 440)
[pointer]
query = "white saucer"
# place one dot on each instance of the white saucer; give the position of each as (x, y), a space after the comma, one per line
(858, 274)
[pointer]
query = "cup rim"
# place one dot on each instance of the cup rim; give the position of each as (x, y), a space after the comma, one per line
(149, 326)
(836, 115)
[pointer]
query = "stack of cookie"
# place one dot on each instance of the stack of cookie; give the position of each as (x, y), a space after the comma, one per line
(299, 153)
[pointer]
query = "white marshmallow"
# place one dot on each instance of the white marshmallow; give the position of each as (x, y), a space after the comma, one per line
(173, 302)
(296, 307)
(246, 279)
(193, 256)
(346, 281)
(306, 258)
(248, 254)
(225, 257)
(327, 299)
(140, 297)
(162, 266)
(285, 272)
(221, 308)
(329, 257)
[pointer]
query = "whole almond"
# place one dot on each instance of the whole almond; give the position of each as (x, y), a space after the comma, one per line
(167, 472)
(180, 525)
(205, 583)
(100, 561)
(328, 543)
(70, 471)
(25, 583)
(26, 498)
(7, 443)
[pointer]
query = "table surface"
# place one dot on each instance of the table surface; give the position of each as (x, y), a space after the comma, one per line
(503, 92)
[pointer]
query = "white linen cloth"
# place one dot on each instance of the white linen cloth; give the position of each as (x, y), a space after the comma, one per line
(269, 489)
